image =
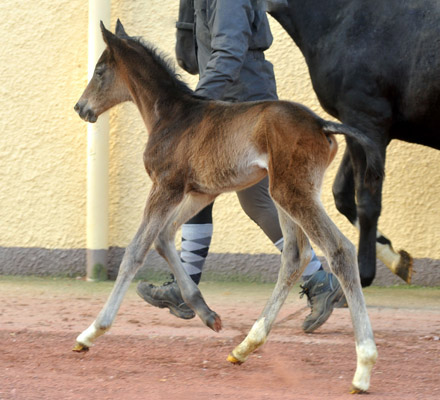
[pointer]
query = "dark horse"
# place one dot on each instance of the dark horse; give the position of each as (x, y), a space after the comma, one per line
(189, 167)
(374, 65)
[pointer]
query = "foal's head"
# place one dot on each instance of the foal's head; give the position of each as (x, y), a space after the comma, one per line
(106, 88)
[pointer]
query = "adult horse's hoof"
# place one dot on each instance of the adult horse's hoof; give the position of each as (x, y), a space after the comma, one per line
(404, 268)
(234, 360)
(80, 348)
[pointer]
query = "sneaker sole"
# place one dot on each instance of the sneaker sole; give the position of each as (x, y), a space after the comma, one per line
(176, 311)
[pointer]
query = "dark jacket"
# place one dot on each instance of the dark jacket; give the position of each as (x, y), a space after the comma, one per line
(231, 37)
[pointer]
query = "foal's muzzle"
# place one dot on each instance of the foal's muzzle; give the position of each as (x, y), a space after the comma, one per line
(85, 112)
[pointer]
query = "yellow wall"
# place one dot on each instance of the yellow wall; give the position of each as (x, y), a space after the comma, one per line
(43, 70)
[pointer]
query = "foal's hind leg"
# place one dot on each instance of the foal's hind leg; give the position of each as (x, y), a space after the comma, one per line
(165, 246)
(341, 255)
(294, 258)
(160, 206)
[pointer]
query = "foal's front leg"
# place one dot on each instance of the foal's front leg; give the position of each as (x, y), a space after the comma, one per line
(165, 246)
(160, 206)
(294, 258)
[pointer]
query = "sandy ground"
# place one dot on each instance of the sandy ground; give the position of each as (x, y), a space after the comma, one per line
(149, 354)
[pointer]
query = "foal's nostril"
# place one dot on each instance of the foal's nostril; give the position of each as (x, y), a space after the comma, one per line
(76, 108)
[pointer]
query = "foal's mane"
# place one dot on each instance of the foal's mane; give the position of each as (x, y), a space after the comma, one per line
(163, 61)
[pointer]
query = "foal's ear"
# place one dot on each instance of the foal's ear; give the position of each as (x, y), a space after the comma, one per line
(119, 30)
(108, 37)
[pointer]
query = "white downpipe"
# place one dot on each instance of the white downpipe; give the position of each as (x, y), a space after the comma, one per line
(97, 156)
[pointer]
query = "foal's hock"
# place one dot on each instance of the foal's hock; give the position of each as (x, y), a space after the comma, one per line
(198, 149)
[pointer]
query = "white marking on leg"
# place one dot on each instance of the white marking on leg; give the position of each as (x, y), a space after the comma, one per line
(256, 337)
(366, 358)
(88, 336)
(387, 255)
(384, 252)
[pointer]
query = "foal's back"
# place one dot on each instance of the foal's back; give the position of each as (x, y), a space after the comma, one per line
(232, 146)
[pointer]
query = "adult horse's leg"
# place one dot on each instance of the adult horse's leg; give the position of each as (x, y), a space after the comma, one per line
(344, 194)
(371, 114)
(165, 246)
(368, 210)
(341, 255)
(294, 258)
(159, 207)
(343, 189)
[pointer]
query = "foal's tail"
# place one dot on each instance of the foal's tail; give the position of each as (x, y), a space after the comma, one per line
(374, 161)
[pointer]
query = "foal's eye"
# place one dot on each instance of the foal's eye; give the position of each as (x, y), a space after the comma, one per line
(99, 72)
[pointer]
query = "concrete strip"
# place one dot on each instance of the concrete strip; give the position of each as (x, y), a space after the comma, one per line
(219, 266)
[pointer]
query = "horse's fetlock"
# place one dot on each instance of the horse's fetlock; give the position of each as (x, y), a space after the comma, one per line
(103, 327)
(193, 298)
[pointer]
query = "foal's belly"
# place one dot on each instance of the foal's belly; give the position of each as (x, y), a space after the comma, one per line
(232, 175)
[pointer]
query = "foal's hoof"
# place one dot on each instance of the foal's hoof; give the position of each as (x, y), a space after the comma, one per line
(80, 348)
(405, 267)
(355, 390)
(234, 360)
(214, 322)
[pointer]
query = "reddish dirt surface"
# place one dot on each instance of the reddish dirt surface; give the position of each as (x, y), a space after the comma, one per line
(150, 354)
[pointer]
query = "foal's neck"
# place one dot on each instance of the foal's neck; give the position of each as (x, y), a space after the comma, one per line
(155, 89)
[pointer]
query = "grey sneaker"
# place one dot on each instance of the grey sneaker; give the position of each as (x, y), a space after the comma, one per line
(323, 292)
(168, 295)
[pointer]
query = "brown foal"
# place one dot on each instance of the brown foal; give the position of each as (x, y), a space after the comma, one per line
(198, 149)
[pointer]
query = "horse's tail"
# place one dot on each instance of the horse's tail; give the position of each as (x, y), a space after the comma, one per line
(375, 167)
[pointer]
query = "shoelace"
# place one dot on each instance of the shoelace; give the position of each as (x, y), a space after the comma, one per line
(306, 291)
(171, 281)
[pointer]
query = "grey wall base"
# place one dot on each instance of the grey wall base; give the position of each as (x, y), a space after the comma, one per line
(237, 267)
